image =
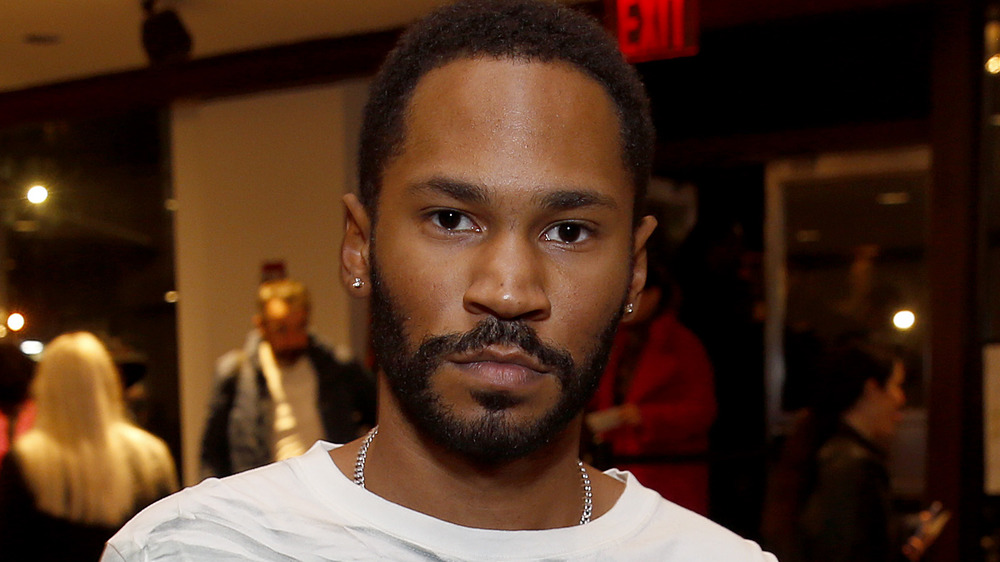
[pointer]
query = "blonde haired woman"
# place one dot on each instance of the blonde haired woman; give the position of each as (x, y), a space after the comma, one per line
(84, 469)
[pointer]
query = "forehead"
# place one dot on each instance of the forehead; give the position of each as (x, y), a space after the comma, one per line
(513, 121)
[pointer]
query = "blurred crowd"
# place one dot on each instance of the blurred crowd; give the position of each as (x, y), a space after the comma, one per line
(680, 407)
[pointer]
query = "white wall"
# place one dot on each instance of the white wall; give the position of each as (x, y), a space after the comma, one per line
(256, 178)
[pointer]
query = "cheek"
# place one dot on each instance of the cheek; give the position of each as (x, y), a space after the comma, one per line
(587, 298)
(585, 305)
(426, 290)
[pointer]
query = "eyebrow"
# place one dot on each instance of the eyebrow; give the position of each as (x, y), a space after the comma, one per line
(559, 200)
(458, 190)
(569, 199)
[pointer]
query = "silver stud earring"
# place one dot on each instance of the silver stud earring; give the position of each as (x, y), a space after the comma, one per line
(628, 308)
(358, 283)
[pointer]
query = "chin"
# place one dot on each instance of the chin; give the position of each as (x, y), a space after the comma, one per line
(496, 428)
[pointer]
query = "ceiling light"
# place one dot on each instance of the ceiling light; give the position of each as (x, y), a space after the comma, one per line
(904, 319)
(37, 194)
(15, 321)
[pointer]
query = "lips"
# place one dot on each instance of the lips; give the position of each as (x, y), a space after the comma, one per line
(501, 367)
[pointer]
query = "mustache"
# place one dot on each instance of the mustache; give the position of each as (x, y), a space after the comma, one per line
(494, 331)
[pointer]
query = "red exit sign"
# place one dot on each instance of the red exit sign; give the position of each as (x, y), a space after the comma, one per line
(656, 29)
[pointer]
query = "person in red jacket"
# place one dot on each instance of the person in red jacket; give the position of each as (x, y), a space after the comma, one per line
(656, 402)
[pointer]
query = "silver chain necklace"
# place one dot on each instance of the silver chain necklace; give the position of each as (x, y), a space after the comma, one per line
(359, 476)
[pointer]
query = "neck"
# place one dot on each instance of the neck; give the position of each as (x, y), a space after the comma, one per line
(859, 422)
(540, 491)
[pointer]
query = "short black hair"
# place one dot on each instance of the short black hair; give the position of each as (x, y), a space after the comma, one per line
(844, 371)
(529, 30)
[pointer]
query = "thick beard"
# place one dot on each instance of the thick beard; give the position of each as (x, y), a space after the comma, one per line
(493, 437)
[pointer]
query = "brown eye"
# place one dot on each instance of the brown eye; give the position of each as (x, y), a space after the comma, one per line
(567, 233)
(450, 219)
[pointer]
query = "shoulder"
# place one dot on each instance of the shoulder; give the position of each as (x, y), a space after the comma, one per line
(33, 449)
(845, 451)
(842, 461)
(228, 365)
(138, 437)
(659, 529)
(252, 509)
(212, 514)
(167, 524)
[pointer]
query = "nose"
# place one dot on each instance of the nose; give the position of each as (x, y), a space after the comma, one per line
(507, 280)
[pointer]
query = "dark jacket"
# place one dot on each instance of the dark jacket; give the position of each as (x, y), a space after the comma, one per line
(241, 414)
(27, 533)
(848, 515)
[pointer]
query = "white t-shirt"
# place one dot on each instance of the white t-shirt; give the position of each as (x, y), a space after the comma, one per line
(306, 509)
(300, 387)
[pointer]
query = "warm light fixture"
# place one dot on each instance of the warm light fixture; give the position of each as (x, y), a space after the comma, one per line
(32, 347)
(904, 320)
(37, 194)
(15, 321)
(993, 64)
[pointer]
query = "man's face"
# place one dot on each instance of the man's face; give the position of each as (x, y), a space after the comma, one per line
(886, 403)
(505, 253)
(286, 327)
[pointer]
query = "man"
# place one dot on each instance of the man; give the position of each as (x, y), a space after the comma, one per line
(504, 147)
(283, 391)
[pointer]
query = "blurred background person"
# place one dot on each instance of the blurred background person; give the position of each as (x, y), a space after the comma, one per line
(848, 515)
(829, 499)
(83, 469)
(282, 391)
(17, 410)
(656, 402)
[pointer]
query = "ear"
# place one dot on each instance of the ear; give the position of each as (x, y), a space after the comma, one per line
(354, 260)
(871, 388)
(641, 234)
